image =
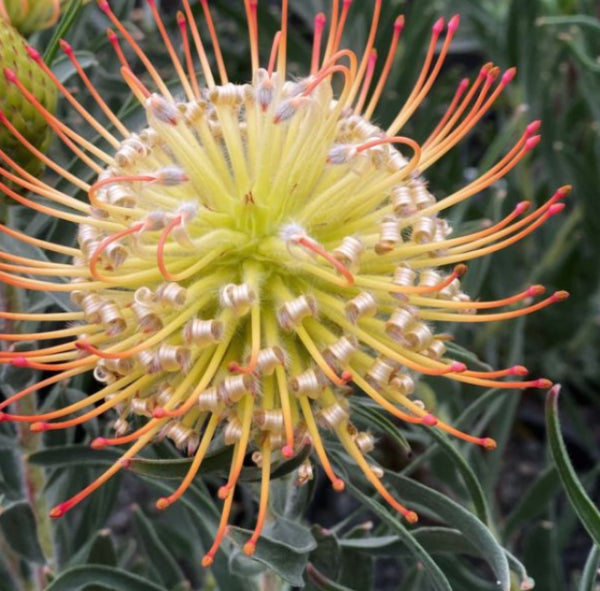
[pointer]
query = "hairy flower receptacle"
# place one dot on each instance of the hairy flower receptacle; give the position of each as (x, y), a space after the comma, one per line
(257, 249)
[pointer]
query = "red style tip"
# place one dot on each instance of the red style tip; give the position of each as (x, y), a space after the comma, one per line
(287, 451)
(33, 53)
(249, 548)
(104, 6)
(181, 19)
(519, 370)
(224, 492)
(564, 190)
(508, 76)
(66, 47)
(338, 485)
(58, 511)
(522, 207)
(533, 127)
(112, 36)
(411, 517)
(19, 361)
(98, 443)
(438, 26)
(162, 503)
(38, 427)
(346, 376)
(458, 367)
(555, 208)
(453, 23)
(399, 23)
(320, 19)
(347, 3)
(532, 142)
(536, 290)
(460, 270)
(429, 420)
(159, 413)
(151, 3)
(10, 75)
(464, 84)
(488, 443)
(207, 561)
(542, 384)
(560, 296)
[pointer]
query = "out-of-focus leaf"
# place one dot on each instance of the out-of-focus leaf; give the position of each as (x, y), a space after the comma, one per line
(455, 515)
(102, 550)
(581, 502)
(282, 558)
(436, 577)
(78, 577)
(321, 581)
(63, 67)
(7, 578)
(589, 576)
(67, 21)
(19, 528)
(159, 556)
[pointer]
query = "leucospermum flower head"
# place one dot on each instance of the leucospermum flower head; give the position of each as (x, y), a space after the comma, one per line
(260, 253)
(30, 15)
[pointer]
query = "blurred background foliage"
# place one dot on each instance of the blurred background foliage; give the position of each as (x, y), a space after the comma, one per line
(490, 507)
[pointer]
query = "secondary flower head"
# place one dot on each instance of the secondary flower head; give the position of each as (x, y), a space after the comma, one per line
(30, 15)
(260, 252)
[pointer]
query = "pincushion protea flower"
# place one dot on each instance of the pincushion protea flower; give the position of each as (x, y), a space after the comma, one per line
(258, 249)
(30, 15)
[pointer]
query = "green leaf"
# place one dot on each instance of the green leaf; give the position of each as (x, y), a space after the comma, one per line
(457, 516)
(17, 523)
(435, 575)
(321, 581)
(581, 502)
(589, 576)
(116, 579)
(68, 20)
(158, 555)
(278, 556)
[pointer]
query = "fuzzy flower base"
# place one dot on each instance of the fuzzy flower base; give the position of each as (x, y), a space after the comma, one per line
(260, 252)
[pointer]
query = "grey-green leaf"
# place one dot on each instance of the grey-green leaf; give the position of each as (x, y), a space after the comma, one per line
(116, 579)
(18, 526)
(579, 499)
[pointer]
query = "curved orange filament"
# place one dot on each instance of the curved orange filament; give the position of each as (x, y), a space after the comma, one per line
(123, 461)
(160, 248)
(94, 259)
(209, 557)
(265, 450)
(355, 453)
(215, 41)
(115, 179)
(187, 52)
(335, 9)
(426, 419)
(68, 50)
(342, 23)
(326, 73)
(311, 425)
(65, 375)
(210, 81)
(246, 405)
(414, 101)
(558, 296)
(171, 50)
(101, 129)
(460, 90)
(101, 442)
(366, 82)
(318, 249)
(282, 55)
(207, 437)
(41, 156)
(67, 135)
(531, 291)
(387, 67)
(274, 52)
(286, 411)
(367, 51)
(320, 21)
(105, 7)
